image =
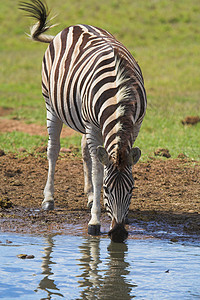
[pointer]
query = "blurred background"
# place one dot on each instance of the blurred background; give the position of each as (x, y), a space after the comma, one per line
(163, 36)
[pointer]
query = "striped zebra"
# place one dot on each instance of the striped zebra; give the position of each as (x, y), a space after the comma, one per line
(91, 83)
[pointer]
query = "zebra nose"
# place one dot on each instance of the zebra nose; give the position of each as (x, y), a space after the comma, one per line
(118, 233)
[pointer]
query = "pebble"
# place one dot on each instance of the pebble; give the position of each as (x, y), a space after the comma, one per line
(191, 211)
(22, 256)
(8, 242)
(2, 152)
(182, 156)
(25, 256)
(174, 240)
(65, 150)
(16, 183)
(22, 150)
(30, 256)
(5, 203)
(162, 152)
(191, 120)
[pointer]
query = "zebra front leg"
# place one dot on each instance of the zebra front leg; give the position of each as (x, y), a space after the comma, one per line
(54, 126)
(87, 168)
(97, 180)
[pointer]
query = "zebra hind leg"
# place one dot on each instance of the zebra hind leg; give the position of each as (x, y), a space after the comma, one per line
(87, 168)
(54, 126)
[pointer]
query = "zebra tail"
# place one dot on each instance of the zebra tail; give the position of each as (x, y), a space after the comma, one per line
(39, 11)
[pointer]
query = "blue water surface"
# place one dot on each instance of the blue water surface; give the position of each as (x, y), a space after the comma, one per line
(74, 267)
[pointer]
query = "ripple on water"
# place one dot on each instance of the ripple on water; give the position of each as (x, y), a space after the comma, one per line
(82, 267)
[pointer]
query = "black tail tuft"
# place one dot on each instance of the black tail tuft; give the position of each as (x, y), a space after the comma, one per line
(38, 10)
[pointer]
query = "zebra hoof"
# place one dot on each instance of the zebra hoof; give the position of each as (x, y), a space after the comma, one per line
(48, 205)
(94, 229)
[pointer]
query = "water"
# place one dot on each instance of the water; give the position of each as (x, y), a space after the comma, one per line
(75, 267)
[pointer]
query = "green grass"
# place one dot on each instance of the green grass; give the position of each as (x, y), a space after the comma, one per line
(163, 36)
(16, 141)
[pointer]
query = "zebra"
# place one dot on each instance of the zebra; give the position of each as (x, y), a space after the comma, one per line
(92, 83)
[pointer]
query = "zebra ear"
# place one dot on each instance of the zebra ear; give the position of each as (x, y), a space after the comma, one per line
(102, 155)
(134, 155)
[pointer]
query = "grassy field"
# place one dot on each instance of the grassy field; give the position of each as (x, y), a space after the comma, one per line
(163, 36)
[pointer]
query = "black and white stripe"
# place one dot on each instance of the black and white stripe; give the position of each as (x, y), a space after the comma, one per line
(117, 186)
(91, 83)
(89, 77)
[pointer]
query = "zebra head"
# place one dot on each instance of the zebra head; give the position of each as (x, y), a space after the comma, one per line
(118, 186)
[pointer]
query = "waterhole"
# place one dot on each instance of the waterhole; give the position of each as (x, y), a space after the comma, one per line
(83, 267)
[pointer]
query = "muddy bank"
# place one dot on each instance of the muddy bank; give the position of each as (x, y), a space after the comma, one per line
(166, 195)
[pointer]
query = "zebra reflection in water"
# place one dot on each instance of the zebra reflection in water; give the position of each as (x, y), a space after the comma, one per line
(104, 278)
(99, 277)
(46, 284)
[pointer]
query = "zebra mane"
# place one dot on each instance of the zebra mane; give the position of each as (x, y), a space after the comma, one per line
(126, 99)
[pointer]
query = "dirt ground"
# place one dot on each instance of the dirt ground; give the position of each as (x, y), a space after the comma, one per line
(166, 193)
(14, 125)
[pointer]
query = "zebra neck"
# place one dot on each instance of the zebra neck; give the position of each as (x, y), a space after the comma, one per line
(118, 147)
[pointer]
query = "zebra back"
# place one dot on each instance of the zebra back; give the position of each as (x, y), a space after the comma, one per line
(90, 78)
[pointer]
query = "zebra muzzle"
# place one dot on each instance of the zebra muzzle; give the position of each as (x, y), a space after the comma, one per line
(118, 233)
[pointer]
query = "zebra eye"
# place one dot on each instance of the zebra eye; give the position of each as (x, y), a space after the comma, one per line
(106, 190)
